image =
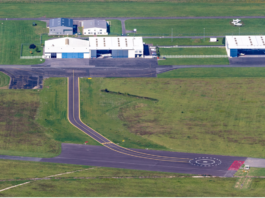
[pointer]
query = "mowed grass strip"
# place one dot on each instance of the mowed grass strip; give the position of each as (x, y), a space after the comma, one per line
(4, 81)
(182, 41)
(13, 34)
(196, 27)
(154, 187)
(192, 51)
(203, 115)
(194, 61)
(12, 169)
(129, 9)
(218, 72)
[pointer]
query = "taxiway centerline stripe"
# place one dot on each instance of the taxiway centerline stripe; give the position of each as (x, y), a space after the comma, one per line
(116, 144)
(100, 136)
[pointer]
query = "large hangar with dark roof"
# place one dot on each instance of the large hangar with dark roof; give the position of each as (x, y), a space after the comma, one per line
(61, 26)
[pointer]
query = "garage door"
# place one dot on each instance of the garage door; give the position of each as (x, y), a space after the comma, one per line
(93, 53)
(120, 53)
(233, 52)
(72, 55)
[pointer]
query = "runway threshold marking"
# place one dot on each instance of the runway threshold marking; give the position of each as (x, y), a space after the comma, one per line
(236, 165)
(102, 138)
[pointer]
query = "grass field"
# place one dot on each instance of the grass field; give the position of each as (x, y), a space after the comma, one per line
(195, 27)
(127, 9)
(192, 51)
(194, 61)
(183, 41)
(13, 34)
(23, 170)
(161, 187)
(35, 52)
(251, 172)
(52, 113)
(214, 72)
(101, 111)
(34, 122)
(203, 115)
(4, 81)
(20, 134)
(115, 27)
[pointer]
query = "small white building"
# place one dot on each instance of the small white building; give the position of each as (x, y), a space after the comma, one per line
(115, 47)
(95, 27)
(67, 47)
(247, 45)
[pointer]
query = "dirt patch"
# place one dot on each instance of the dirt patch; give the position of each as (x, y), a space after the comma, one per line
(139, 121)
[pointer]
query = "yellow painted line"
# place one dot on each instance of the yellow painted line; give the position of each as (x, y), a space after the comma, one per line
(73, 110)
(109, 140)
(107, 143)
(146, 157)
(117, 145)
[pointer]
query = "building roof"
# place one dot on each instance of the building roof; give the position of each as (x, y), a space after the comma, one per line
(108, 43)
(66, 44)
(95, 24)
(245, 42)
(61, 22)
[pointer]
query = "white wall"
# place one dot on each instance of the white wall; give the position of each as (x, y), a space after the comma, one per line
(87, 55)
(131, 54)
(226, 47)
(92, 31)
(58, 55)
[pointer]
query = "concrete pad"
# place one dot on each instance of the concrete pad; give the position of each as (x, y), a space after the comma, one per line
(255, 162)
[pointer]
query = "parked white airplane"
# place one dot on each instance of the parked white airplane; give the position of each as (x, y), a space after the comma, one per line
(236, 20)
(238, 24)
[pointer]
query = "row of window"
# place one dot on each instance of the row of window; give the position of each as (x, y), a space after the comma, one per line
(138, 52)
(93, 33)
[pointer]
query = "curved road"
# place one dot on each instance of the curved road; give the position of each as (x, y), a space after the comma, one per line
(74, 119)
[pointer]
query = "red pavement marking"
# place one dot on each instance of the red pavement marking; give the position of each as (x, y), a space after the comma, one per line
(236, 165)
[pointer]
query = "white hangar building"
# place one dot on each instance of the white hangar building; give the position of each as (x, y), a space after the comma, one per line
(248, 45)
(115, 47)
(67, 47)
(118, 47)
(95, 27)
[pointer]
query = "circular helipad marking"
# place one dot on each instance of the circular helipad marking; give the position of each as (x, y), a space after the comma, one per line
(205, 161)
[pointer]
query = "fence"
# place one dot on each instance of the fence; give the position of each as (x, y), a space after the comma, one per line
(194, 56)
(192, 46)
(30, 57)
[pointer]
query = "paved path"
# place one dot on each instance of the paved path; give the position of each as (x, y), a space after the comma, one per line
(255, 162)
(74, 118)
(105, 157)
